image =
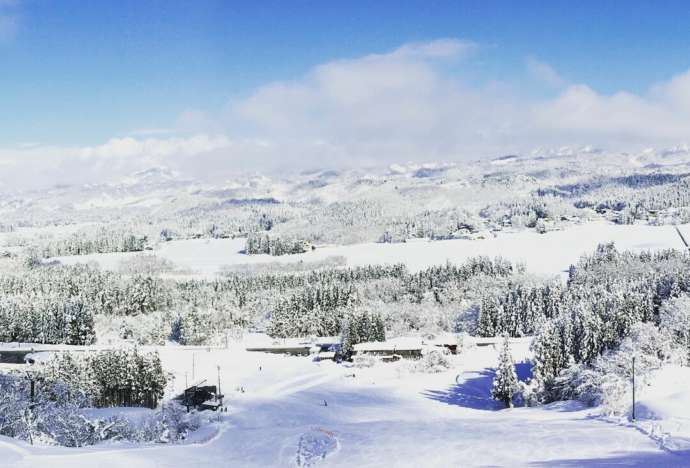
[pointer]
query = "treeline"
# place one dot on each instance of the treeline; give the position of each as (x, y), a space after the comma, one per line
(101, 292)
(321, 307)
(272, 245)
(526, 212)
(62, 303)
(316, 310)
(90, 241)
(223, 219)
(607, 296)
(124, 377)
(613, 304)
(58, 304)
(45, 319)
(431, 224)
(633, 197)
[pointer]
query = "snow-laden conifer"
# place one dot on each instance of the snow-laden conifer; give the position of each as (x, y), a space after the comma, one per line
(505, 381)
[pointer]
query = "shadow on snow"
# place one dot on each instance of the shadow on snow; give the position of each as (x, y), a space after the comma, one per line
(472, 392)
(646, 459)
(475, 390)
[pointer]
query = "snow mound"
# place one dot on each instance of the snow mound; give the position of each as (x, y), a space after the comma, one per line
(667, 396)
(314, 446)
(663, 408)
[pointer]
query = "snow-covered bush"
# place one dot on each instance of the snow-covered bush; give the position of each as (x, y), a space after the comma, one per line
(31, 258)
(608, 379)
(14, 405)
(154, 328)
(53, 418)
(194, 327)
(364, 360)
(433, 361)
(674, 317)
(170, 424)
(64, 425)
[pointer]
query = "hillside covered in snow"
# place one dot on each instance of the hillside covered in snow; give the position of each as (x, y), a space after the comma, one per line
(411, 315)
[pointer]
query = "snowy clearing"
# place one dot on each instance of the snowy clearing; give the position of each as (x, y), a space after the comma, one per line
(544, 254)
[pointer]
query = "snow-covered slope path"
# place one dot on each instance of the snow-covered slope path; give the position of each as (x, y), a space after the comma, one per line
(295, 412)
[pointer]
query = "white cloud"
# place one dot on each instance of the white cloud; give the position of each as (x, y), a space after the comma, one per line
(409, 104)
(37, 165)
(363, 109)
(544, 72)
(659, 117)
(154, 148)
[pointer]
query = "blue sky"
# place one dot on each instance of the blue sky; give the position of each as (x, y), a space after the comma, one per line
(77, 74)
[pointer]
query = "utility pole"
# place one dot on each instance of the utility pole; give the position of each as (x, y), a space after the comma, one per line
(29, 411)
(633, 384)
(220, 395)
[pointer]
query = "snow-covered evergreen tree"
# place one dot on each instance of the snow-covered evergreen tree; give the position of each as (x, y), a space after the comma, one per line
(505, 382)
(360, 327)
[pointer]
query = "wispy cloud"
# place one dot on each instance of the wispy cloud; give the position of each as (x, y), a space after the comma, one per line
(544, 73)
(439, 48)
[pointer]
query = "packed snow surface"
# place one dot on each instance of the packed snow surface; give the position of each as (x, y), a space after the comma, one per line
(545, 254)
(292, 411)
(663, 407)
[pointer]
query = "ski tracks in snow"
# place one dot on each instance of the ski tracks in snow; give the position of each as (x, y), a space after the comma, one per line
(296, 384)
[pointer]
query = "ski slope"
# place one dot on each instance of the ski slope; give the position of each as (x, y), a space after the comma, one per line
(295, 412)
(543, 254)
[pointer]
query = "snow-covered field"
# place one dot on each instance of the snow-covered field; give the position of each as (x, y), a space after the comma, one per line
(292, 411)
(296, 412)
(545, 254)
